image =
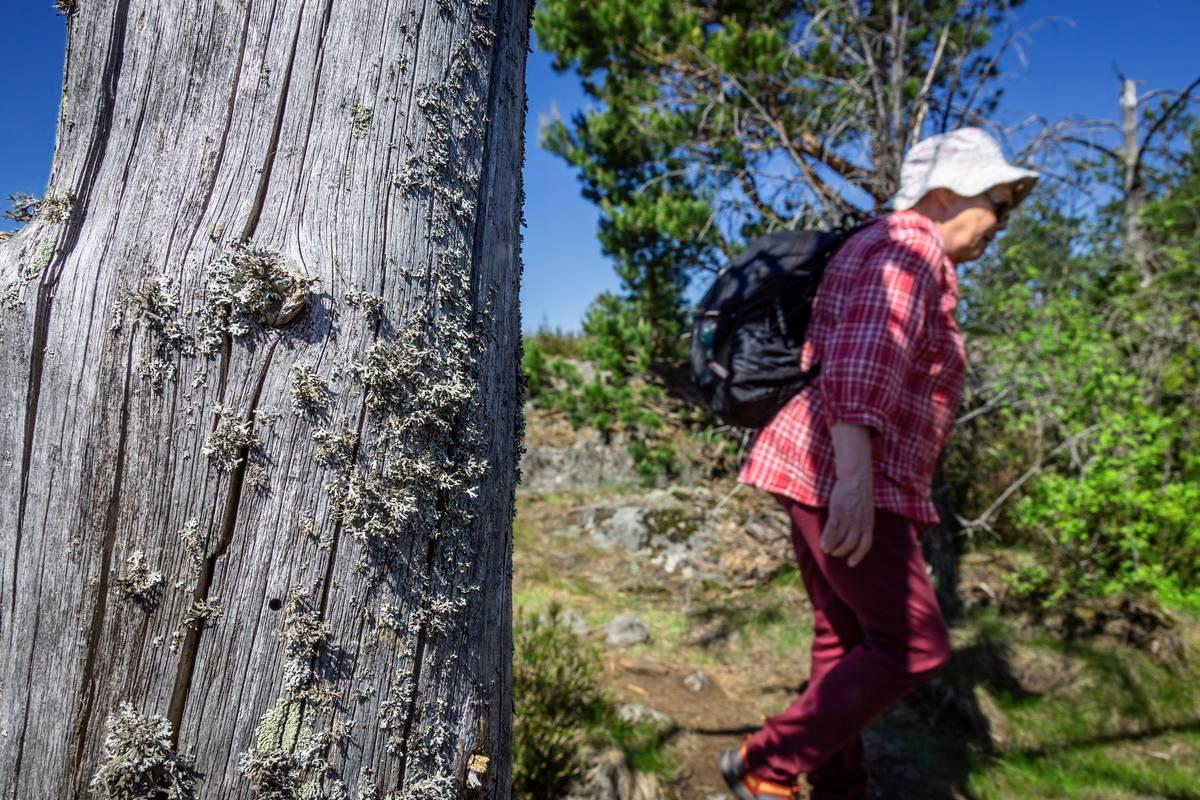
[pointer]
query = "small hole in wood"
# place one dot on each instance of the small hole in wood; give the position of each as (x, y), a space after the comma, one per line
(274, 604)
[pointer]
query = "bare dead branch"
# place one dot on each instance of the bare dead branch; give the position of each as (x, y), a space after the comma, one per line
(990, 406)
(922, 101)
(1179, 103)
(984, 520)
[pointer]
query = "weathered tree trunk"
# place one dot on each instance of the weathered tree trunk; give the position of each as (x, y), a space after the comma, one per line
(259, 384)
(1137, 243)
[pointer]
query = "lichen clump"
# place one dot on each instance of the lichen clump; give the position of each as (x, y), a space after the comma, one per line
(140, 762)
(56, 207)
(272, 775)
(309, 391)
(360, 120)
(189, 537)
(139, 583)
(287, 763)
(203, 610)
(287, 759)
(249, 287)
(198, 614)
(15, 291)
(156, 306)
(230, 439)
(303, 635)
(257, 478)
(369, 304)
(335, 447)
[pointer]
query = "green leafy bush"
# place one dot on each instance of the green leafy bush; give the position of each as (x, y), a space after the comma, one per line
(617, 396)
(1099, 367)
(535, 366)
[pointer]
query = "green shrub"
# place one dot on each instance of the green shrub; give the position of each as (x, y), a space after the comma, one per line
(619, 339)
(613, 399)
(557, 343)
(556, 695)
(560, 707)
(1098, 367)
(1117, 526)
(535, 367)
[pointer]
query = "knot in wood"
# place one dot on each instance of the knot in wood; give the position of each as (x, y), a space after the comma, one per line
(291, 296)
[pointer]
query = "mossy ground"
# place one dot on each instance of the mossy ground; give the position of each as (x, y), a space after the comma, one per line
(1093, 718)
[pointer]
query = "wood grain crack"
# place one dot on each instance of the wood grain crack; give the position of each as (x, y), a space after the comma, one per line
(97, 149)
(98, 146)
(189, 650)
(418, 658)
(86, 700)
(264, 179)
(37, 359)
(220, 156)
(481, 196)
(16, 778)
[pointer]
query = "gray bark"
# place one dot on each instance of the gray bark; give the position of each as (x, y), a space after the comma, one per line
(320, 595)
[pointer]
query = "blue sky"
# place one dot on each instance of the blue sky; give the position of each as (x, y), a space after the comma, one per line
(1071, 55)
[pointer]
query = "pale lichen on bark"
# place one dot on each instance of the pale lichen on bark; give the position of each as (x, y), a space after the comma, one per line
(199, 614)
(231, 435)
(287, 760)
(308, 390)
(138, 582)
(155, 306)
(369, 304)
(140, 762)
(14, 292)
(193, 547)
(360, 120)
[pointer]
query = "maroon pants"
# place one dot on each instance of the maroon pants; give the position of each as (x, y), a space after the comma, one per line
(877, 635)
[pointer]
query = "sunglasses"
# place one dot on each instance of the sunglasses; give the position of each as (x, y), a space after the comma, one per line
(1000, 207)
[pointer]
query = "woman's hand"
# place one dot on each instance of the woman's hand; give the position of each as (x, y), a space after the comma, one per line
(850, 529)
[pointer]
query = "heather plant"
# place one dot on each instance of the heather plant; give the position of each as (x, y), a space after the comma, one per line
(556, 693)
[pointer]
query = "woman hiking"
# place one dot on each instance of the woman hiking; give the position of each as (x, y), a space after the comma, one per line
(851, 458)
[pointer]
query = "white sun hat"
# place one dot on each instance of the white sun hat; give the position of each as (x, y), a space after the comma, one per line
(967, 161)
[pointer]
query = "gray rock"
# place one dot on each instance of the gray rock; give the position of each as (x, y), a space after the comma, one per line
(642, 714)
(696, 682)
(588, 464)
(705, 634)
(667, 527)
(767, 530)
(618, 527)
(611, 778)
(572, 620)
(626, 630)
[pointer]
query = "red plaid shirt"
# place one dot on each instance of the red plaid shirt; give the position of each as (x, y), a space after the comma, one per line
(892, 359)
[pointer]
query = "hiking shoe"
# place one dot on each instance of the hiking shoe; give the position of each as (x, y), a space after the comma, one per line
(745, 785)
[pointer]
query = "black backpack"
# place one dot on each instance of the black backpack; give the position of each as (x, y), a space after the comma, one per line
(748, 328)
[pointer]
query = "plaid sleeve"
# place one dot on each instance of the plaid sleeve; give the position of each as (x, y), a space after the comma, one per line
(869, 351)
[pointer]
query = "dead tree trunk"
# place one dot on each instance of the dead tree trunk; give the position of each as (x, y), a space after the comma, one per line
(1136, 241)
(259, 379)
